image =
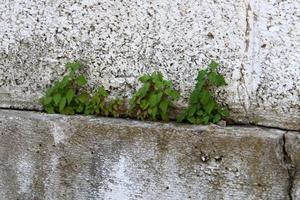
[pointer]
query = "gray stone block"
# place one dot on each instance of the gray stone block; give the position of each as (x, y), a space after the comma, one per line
(59, 157)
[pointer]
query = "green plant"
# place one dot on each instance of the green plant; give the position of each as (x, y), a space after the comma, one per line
(63, 97)
(202, 107)
(116, 108)
(96, 103)
(154, 99)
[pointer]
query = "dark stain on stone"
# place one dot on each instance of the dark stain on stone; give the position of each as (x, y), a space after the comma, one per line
(263, 46)
(210, 35)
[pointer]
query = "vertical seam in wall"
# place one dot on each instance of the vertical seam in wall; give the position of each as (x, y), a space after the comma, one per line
(290, 166)
(247, 57)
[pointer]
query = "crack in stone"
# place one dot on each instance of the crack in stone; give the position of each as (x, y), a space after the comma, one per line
(291, 169)
(249, 124)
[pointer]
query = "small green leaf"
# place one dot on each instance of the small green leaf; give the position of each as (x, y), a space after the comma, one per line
(204, 97)
(194, 97)
(155, 99)
(157, 76)
(163, 106)
(49, 109)
(73, 66)
(201, 75)
(144, 104)
(223, 113)
(70, 94)
(192, 119)
(205, 120)
(212, 77)
(200, 112)
(144, 78)
(213, 65)
(88, 111)
(158, 84)
(209, 107)
(192, 110)
(172, 93)
(168, 84)
(56, 99)
(143, 91)
(216, 118)
(64, 82)
(81, 80)
(68, 111)
(62, 104)
(199, 85)
(84, 98)
(80, 109)
(50, 91)
(153, 113)
(46, 100)
(220, 80)
(102, 92)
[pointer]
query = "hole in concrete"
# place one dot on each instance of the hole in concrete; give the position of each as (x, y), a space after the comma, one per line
(218, 158)
(167, 187)
(210, 35)
(259, 184)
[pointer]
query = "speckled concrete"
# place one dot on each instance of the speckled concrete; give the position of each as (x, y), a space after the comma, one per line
(57, 157)
(257, 43)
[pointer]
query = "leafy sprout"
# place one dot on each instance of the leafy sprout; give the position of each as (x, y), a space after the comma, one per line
(154, 99)
(203, 108)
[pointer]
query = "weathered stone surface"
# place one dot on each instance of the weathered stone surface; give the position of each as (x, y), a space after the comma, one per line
(59, 157)
(256, 42)
(292, 146)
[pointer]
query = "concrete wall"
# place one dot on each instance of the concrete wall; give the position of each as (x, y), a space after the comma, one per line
(257, 42)
(57, 157)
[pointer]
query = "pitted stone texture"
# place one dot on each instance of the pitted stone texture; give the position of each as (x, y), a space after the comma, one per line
(56, 157)
(120, 40)
(292, 146)
(276, 55)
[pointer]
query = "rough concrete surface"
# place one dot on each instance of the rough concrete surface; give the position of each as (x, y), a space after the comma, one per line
(58, 157)
(257, 42)
(292, 145)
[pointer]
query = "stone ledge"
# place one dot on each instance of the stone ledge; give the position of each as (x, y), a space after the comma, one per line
(288, 121)
(60, 157)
